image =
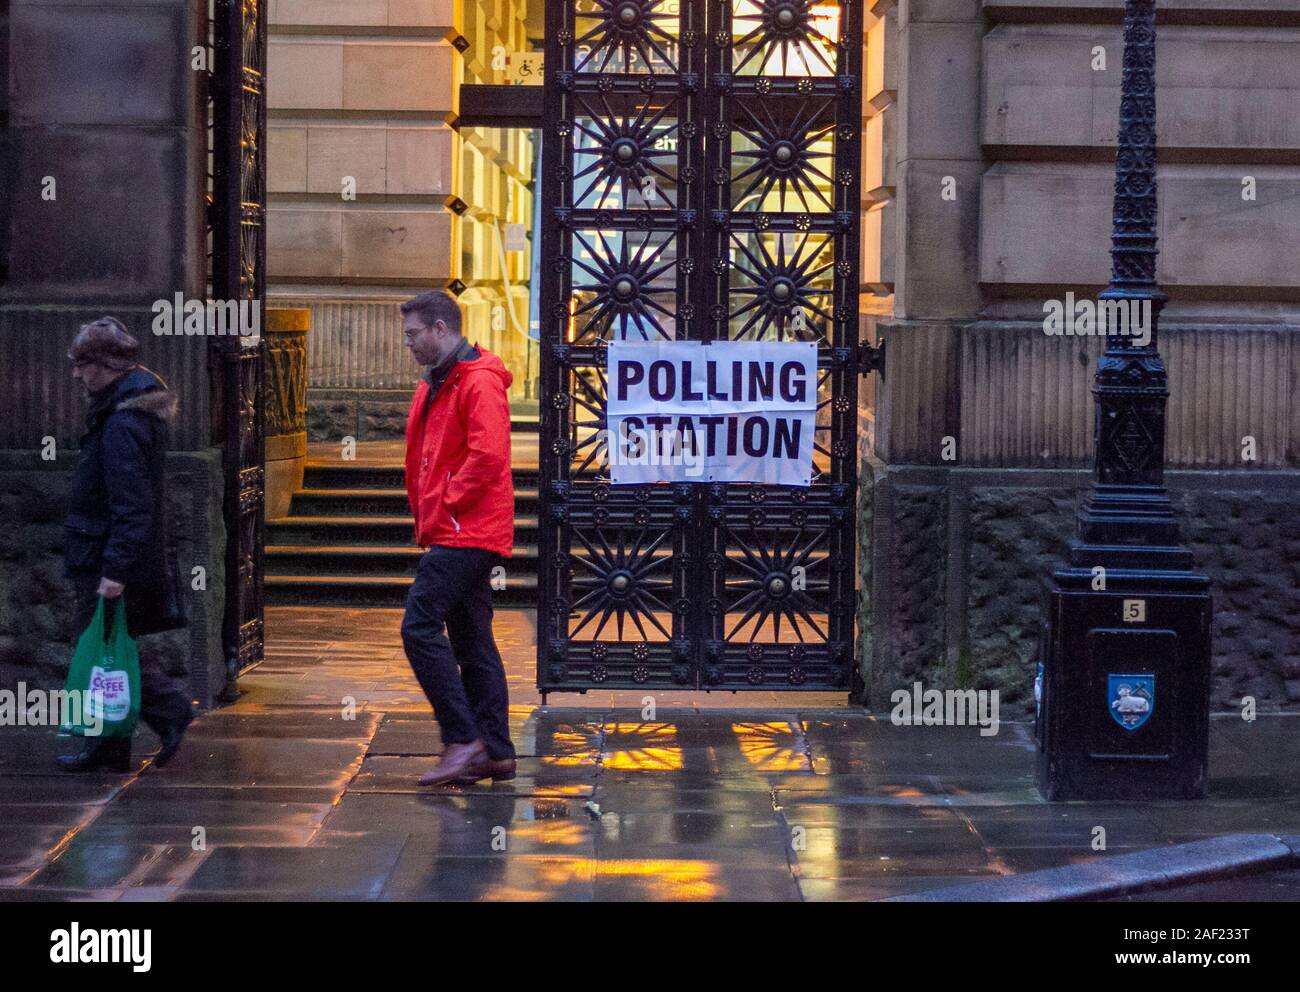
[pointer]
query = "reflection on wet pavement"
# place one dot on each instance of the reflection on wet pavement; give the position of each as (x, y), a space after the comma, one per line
(306, 789)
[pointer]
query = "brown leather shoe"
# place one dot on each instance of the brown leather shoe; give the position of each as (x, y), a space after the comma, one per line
(497, 769)
(457, 760)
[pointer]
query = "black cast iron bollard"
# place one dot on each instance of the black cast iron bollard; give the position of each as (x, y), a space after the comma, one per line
(1126, 643)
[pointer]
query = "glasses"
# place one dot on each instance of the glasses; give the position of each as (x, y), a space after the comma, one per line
(409, 334)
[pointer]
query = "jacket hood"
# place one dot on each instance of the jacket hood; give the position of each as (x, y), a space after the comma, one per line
(142, 389)
(486, 364)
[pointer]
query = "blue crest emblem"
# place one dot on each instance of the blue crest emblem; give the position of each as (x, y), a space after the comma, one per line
(1132, 699)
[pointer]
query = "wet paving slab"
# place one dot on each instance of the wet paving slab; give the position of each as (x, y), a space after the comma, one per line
(534, 776)
(730, 839)
(874, 816)
(424, 875)
(9, 894)
(852, 854)
(690, 880)
(84, 864)
(51, 787)
(406, 738)
(184, 817)
(352, 872)
(448, 826)
(1250, 786)
(148, 787)
(135, 832)
(665, 797)
(26, 850)
(263, 762)
(1029, 826)
(307, 788)
(309, 724)
(871, 888)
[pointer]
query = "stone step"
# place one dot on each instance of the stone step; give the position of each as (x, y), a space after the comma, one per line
(345, 475)
(390, 591)
(338, 474)
(327, 502)
(367, 531)
(346, 560)
(347, 537)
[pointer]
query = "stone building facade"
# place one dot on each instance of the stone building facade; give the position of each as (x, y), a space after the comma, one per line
(102, 160)
(987, 170)
(989, 176)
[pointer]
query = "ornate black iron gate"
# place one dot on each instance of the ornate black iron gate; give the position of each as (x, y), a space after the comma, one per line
(237, 95)
(700, 183)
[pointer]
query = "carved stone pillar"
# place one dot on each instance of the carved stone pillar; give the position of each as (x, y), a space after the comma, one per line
(284, 400)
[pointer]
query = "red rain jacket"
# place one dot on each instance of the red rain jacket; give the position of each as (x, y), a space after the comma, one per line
(458, 478)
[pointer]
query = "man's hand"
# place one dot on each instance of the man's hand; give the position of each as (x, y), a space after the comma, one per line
(110, 589)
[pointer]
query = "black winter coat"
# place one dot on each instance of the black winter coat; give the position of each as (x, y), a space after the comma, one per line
(116, 526)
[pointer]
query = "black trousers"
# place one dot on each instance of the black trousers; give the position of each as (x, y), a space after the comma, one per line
(164, 687)
(460, 670)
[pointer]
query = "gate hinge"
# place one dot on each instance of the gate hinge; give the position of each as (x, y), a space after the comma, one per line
(871, 359)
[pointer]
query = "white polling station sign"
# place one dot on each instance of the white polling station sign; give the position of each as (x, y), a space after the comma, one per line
(728, 411)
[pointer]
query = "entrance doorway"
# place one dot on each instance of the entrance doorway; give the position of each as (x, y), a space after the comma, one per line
(499, 254)
(699, 184)
(712, 155)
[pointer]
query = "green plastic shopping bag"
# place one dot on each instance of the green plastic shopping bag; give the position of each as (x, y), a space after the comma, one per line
(105, 674)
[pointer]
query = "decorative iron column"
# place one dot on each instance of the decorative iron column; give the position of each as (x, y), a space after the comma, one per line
(238, 216)
(1126, 646)
(1128, 504)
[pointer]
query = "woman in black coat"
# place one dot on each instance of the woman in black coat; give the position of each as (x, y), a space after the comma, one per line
(115, 534)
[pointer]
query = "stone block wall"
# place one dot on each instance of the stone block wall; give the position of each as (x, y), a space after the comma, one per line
(104, 157)
(953, 593)
(363, 414)
(35, 602)
(362, 163)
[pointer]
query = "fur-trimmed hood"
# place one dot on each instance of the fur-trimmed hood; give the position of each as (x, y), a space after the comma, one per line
(140, 389)
(162, 403)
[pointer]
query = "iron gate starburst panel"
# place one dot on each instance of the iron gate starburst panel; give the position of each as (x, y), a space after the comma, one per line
(625, 140)
(781, 286)
(700, 169)
(623, 285)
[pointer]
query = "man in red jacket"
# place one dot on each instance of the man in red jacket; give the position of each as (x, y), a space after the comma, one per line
(461, 492)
